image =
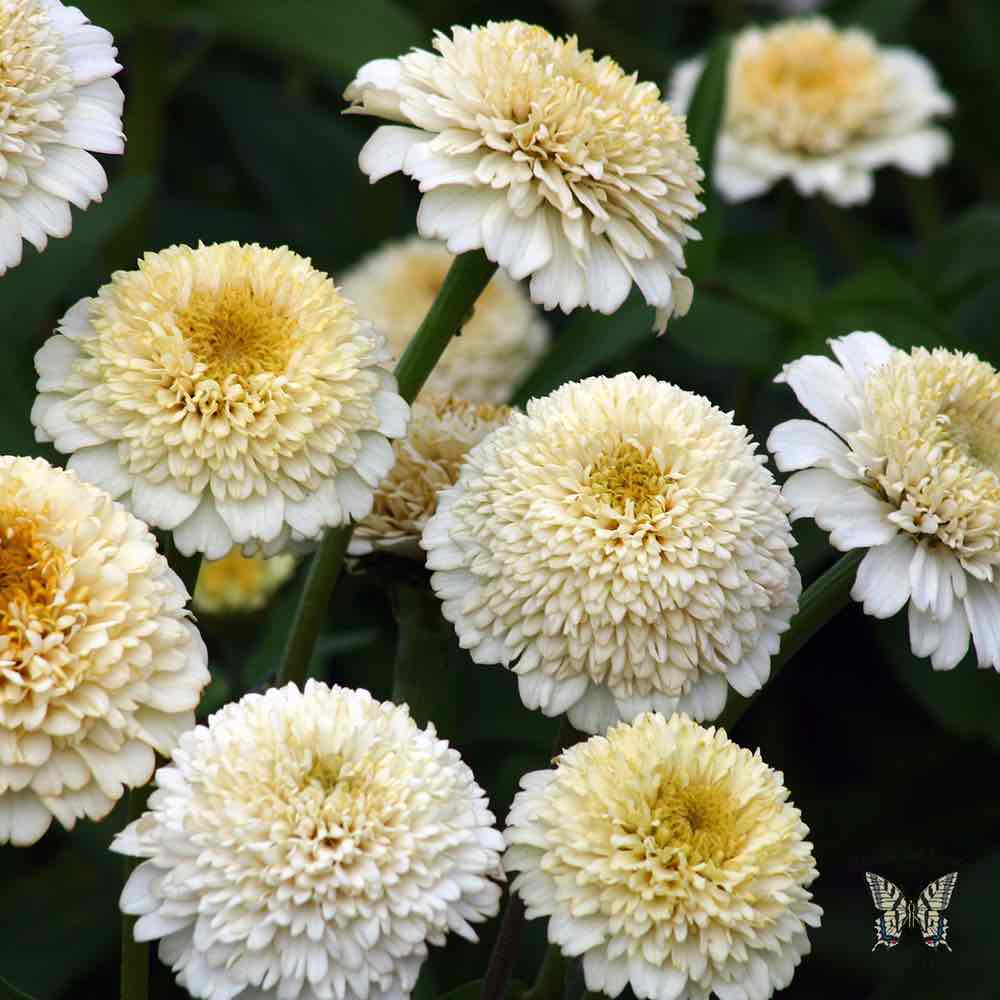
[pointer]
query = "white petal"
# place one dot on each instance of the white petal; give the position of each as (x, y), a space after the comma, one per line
(953, 642)
(925, 632)
(23, 818)
(72, 174)
(799, 444)
(256, 518)
(608, 280)
(982, 605)
(806, 490)
(54, 362)
(856, 519)
(882, 584)
(204, 531)
(455, 214)
(385, 151)
(823, 388)
(101, 466)
(161, 504)
(519, 246)
(595, 711)
(859, 352)
(356, 496)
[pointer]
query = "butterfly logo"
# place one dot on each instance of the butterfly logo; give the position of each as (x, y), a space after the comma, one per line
(898, 913)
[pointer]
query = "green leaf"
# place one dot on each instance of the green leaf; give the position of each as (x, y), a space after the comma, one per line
(964, 255)
(886, 19)
(332, 35)
(704, 119)
(8, 992)
(467, 991)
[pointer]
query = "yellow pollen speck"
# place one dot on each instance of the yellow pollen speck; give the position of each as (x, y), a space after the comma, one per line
(695, 819)
(237, 332)
(625, 477)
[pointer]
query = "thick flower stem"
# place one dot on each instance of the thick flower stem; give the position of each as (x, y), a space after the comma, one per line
(135, 956)
(468, 276)
(821, 601)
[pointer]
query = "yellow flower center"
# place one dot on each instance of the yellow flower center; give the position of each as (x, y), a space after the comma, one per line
(629, 480)
(696, 820)
(237, 332)
(807, 87)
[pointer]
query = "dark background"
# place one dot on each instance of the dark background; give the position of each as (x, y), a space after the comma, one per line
(234, 132)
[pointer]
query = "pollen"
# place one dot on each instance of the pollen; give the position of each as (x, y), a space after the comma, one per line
(631, 481)
(696, 819)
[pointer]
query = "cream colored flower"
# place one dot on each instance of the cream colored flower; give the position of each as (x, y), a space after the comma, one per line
(620, 548)
(824, 107)
(908, 467)
(99, 663)
(670, 860)
(229, 394)
(308, 846)
(58, 104)
(237, 583)
(394, 289)
(442, 429)
(559, 166)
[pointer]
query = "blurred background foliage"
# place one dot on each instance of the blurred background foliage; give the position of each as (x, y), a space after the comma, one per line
(234, 132)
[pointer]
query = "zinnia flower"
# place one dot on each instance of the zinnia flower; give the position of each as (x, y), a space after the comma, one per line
(670, 860)
(236, 583)
(395, 287)
(621, 547)
(558, 165)
(57, 101)
(908, 467)
(229, 394)
(99, 664)
(442, 429)
(824, 107)
(310, 845)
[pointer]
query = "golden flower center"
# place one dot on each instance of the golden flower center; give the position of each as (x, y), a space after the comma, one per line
(237, 332)
(630, 481)
(695, 819)
(30, 569)
(976, 434)
(808, 87)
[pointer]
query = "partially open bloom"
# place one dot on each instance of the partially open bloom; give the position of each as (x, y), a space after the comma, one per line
(99, 663)
(907, 466)
(228, 394)
(670, 860)
(308, 846)
(58, 104)
(395, 287)
(442, 430)
(824, 107)
(236, 583)
(558, 165)
(621, 547)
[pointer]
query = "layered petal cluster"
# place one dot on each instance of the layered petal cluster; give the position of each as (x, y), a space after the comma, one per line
(395, 287)
(442, 430)
(560, 166)
(905, 461)
(668, 859)
(229, 394)
(310, 845)
(236, 584)
(100, 665)
(620, 547)
(58, 104)
(824, 107)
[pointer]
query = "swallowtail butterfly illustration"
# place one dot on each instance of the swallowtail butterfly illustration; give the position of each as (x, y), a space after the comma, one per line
(898, 913)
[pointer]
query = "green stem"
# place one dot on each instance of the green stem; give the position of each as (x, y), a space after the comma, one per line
(468, 276)
(823, 599)
(135, 956)
(424, 665)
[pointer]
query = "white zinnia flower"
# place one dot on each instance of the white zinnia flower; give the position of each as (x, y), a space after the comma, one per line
(395, 287)
(308, 846)
(229, 394)
(620, 548)
(824, 107)
(57, 101)
(557, 165)
(236, 583)
(442, 430)
(99, 663)
(670, 860)
(910, 470)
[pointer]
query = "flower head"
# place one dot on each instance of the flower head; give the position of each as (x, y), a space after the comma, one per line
(669, 859)
(824, 107)
(558, 165)
(229, 394)
(442, 430)
(620, 547)
(57, 102)
(395, 287)
(237, 583)
(99, 663)
(310, 845)
(908, 467)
